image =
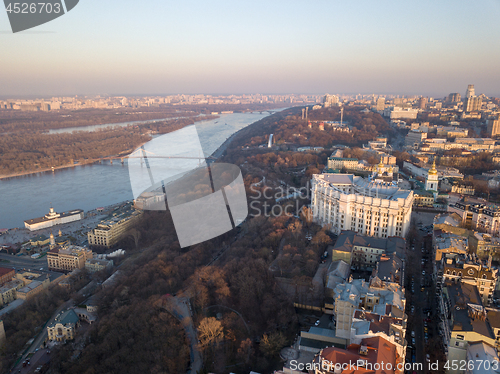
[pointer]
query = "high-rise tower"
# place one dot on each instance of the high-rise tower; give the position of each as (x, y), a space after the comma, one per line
(470, 91)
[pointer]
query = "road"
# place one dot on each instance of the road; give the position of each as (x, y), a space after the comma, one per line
(422, 297)
(181, 308)
(37, 359)
(22, 262)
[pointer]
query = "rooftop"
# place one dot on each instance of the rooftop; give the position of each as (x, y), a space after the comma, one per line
(464, 298)
(452, 219)
(48, 217)
(30, 287)
(388, 293)
(5, 271)
(348, 239)
(373, 322)
(376, 350)
(482, 352)
(389, 268)
(446, 240)
(70, 250)
(10, 285)
(494, 317)
(65, 318)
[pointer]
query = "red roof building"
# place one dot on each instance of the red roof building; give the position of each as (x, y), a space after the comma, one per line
(6, 275)
(373, 356)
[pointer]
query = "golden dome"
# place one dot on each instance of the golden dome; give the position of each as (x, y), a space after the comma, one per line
(433, 170)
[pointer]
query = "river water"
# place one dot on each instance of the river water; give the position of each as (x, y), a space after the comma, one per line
(91, 186)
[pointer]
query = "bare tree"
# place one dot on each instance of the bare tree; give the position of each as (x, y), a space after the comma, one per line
(307, 215)
(136, 235)
(271, 344)
(210, 332)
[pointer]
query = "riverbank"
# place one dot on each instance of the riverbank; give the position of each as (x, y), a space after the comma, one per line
(219, 151)
(120, 155)
(42, 171)
(240, 133)
(76, 229)
(62, 167)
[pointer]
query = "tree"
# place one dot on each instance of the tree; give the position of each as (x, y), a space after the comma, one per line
(136, 235)
(307, 215)
(271, 344)
(295, 228)
(245, 350)
(321, 238)
(210, 332)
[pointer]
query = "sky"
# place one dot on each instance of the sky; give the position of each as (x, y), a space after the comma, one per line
(420, 47)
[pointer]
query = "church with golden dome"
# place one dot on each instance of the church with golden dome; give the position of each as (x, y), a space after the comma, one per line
(431, 182)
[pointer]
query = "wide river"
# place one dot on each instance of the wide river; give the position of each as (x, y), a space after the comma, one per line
(91, 186)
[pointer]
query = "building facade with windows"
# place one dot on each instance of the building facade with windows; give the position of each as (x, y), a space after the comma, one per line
(53, 218)
(63, 327)
(478, 214)
(30, 290)
(6, 275)
(8, 292)
(464, 321)
(68, 258)
(463, 188)
(340, 163)
(493, 127)
(348, 202)
(110, 231)
(462, 268)
(415, 138)
(94, 265)
(376, 297)
(365, 251)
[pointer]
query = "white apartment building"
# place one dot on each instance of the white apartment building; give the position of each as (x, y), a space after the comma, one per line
(478, 214)
(415, 138)
(469, 144)
(340, 163)
(443, 172)
(397, 112)
(348, 202)
(53, 218)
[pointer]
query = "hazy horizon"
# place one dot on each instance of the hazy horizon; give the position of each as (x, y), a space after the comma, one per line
(90, 95)
(365, 47)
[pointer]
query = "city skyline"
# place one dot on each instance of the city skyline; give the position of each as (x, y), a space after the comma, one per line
(281, 47)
